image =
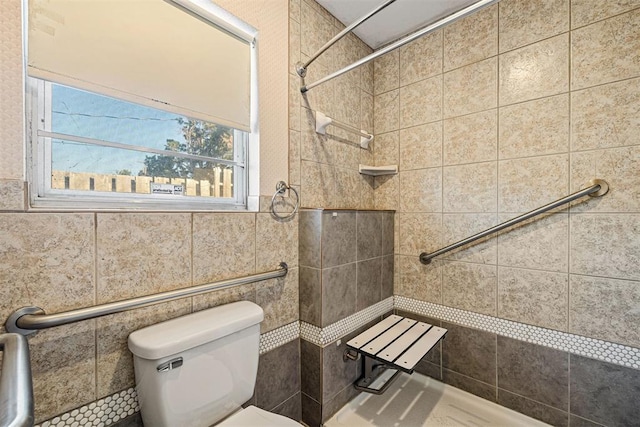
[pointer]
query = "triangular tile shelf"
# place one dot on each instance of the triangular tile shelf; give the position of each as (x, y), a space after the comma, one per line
(378, 170)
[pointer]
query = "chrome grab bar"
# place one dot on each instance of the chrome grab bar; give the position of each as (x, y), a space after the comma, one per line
(597, 188)
(16, 390)
(28, 320)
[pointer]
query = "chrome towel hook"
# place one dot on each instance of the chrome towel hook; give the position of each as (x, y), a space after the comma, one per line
(281, 187)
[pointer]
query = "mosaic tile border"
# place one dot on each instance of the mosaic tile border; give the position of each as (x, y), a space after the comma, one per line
(575, 344)
(280, 336)
(104, 412)
(116, 407)
(325, 336)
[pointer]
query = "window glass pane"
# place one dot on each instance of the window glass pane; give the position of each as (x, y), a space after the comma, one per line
(111, 121)
(88, 167)
(80, 113)
(85, 167)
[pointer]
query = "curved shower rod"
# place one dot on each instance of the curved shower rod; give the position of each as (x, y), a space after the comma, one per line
(301, 68)
(411, 37)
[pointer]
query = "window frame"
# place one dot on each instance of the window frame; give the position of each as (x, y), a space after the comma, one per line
(246, 144)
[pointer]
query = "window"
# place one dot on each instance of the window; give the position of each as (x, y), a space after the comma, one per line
(141, 105)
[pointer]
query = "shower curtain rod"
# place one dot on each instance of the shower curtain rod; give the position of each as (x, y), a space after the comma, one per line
(426, 30)
(301, 68)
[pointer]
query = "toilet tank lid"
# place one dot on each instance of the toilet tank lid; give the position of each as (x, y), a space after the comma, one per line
(186, 332)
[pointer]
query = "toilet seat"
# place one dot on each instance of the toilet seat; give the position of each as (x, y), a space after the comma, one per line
(252, 416)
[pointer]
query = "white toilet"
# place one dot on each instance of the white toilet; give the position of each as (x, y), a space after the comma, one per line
(197, 370)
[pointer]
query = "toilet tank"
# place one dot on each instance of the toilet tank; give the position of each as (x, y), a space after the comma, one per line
(197, 369)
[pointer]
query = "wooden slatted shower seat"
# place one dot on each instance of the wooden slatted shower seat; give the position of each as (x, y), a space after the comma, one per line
(397, 344)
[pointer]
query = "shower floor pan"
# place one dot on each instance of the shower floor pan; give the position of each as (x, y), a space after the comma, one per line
(419, 401)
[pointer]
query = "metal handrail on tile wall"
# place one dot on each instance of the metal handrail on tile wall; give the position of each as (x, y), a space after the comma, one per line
(16, 387)
(28, 320)
(597, 188)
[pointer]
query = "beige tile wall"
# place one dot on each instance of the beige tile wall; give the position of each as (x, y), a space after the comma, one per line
(518, 105)
(66, 261)
(325, 167)
(62, 261)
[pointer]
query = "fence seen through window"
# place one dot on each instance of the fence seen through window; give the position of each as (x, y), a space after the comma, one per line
(100, 144)
(220, 186)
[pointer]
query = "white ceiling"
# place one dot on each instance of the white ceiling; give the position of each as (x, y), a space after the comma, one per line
(396, 20)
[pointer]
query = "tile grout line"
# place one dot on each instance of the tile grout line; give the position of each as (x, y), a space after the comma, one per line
(95, 296)
(570, 209)
(599, 20)
(497, 200)
(570, 206)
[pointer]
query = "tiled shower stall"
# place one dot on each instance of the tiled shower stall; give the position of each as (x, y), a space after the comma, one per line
(501, 112)
(492, 116)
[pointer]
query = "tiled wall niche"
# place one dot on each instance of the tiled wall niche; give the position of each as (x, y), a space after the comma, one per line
(346, 266)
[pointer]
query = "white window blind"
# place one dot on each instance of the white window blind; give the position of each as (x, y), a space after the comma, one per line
(111, 46)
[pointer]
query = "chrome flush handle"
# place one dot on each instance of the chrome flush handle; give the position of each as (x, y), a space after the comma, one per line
(171, 364)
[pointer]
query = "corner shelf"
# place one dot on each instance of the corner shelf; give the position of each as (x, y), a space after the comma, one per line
(378, 170)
